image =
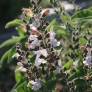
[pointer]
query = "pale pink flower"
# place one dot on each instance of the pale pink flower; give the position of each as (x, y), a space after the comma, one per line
(33, 28)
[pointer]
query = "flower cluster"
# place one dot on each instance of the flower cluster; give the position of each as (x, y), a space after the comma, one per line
(42, 45)
(39, 57)
(46, 58)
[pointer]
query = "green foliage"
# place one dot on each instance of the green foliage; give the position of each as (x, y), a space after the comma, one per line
(59, 30)
(68, 65)
(11, 42)
(10, 45)
(83, 13)
(7, 56)
(21, 87)
(18, 76)
(82, 41)
(14, 23)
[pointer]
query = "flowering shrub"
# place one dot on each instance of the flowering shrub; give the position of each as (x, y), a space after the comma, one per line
(52, 54)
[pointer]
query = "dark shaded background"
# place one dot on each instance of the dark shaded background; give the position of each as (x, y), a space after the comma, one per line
(9, 10)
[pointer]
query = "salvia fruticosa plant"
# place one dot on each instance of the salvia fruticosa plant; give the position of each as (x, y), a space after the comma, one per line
(53, 50)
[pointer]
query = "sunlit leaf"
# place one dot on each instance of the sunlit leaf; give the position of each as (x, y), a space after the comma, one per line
(82, 41)
(21, 31)
(68, 65)
(18, 76)
(14, 23)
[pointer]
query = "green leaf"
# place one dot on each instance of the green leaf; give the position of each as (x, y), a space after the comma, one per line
(14, 23)
(81, 85)
(45, 3)
(60, 32)
(68, 65)
(20, 87)
(83, 13)
(65, 17)
(21, 31)
(9, 43)
(82, 41)
(23, 87)
(4, 58)
(86, 23)
(80, 72)
(83, 17)
(7, 56)
(10, 54)
(18, 76)
(53, 23)
(50, 84)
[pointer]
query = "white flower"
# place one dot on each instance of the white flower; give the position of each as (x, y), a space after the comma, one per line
(53, 40)
(32, 37)
(36, 85)
(38, 60)
(35, 42)
(19, 64)
(52, 35)
(67, 6)
(58, 43)
(88, 60)
(48, 11)
(41, 52)
(44, 52)
(59, 63)
(21, 68)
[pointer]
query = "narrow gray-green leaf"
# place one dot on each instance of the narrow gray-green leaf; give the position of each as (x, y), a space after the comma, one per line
(14, 23)
(10, 42)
